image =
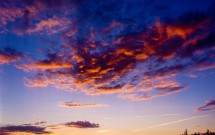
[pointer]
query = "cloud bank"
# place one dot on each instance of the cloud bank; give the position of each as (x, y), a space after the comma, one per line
(122, 49)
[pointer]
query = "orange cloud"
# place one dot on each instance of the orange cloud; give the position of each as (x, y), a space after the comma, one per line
(4, 59)
(138, 65)
(44, 65)
(9, 55)
(60, 81)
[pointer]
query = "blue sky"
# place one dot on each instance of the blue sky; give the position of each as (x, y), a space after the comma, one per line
(106, 67)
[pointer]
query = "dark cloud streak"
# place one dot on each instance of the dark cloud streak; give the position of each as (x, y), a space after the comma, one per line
(82, 124)
(208, 106)
(27, 129)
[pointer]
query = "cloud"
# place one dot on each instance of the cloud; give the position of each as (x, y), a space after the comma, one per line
(138, 66)
(155, 90)
(178, 121)
(82, 124)
(9, 15)
(36, 122)
(75, 124)
(29, 17)
(43, 65)
(73, 104)
(39, 122)
(9, 55)
(50, 26)
(21, 128)
(208, 106)
(158, 115)
(118, 49)
(52, 62)
(36, 128)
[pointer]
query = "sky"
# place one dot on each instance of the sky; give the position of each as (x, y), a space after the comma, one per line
(107, 67)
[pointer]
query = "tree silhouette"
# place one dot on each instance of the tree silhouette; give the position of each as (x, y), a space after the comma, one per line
(196, 133)
(185, 132)
(208, 132)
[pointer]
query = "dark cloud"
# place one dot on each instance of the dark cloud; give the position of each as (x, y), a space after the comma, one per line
(132, 48)
(132, 63)
(36, 128)
(21, 128)
(82, 124)
(208, 106)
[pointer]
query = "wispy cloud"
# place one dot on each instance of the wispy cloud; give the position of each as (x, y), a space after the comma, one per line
(178, 121)
(103, 131)
(39, 122)
(73, 104)
(158, 115)
(44, 65)
(50, 26)
(36, 123)
(111, 118)
(208, 106)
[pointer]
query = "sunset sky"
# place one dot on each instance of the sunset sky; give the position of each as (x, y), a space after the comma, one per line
(114, 67)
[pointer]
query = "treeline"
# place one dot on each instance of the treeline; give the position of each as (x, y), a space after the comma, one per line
(208, 132)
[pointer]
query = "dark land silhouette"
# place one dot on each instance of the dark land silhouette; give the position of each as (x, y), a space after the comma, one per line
(208, 132)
